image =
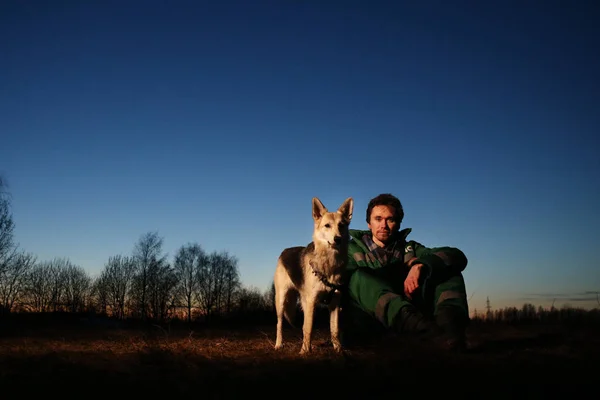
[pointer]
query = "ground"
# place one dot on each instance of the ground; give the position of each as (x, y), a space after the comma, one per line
(525, 361)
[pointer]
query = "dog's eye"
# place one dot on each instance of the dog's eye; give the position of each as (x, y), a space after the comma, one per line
(327, 225)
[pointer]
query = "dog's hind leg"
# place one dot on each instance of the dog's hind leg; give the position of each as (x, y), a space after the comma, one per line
(280, 296)
(285, 306)
(289, 309)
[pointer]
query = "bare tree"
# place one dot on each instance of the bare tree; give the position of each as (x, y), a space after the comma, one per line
(218, 280)
(232, 281)
(188, 261)
(250, 299)
(207, 275)
(77, 285)
(116, 278)
(13, 280)
(270, 297)
(99, 294)
(162, 282)
(147, 253)
(58, 282)
(7, 226)
(39, 287)
(48, 285)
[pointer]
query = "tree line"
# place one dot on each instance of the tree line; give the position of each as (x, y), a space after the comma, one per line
(145, 285)
(529, 313)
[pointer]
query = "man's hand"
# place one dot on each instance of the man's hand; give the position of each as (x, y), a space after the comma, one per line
(411, 283)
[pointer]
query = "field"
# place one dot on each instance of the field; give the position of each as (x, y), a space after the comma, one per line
(70, 360)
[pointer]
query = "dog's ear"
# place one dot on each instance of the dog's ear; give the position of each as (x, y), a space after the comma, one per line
(318, 209)
(347, 208)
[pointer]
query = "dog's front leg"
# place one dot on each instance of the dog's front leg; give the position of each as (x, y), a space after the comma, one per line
(309, 310)
(334, 326)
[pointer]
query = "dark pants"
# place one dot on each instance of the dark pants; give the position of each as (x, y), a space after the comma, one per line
(376, 296)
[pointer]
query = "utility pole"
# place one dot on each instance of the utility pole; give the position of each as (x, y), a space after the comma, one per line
(488, 307)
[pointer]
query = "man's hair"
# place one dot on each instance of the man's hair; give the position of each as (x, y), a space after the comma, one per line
(386, 199)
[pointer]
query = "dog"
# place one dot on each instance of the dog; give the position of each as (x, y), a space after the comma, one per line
(315, 273)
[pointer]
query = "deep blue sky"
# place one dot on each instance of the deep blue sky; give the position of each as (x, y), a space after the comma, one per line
(217, 122)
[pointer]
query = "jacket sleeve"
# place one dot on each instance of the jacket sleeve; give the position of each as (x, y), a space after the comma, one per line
(440, 260)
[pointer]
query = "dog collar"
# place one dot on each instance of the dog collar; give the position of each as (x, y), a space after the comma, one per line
(324, 280)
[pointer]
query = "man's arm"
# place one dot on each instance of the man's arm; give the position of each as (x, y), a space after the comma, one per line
(439, 260)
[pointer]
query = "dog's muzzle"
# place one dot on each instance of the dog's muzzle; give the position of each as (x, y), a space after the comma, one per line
(337, 242)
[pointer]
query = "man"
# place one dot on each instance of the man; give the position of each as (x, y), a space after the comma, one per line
(402, 285)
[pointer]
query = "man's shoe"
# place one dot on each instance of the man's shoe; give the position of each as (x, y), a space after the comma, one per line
(410, 320)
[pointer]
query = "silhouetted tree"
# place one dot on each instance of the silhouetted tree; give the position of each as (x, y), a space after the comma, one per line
(207, 285)
(39, 287)
(13, 280)
(147, 253)
(162, 281)
(188, 262)
(250, 299)
(77, 288)
(218, 270)
(231, 279)
(117, 278)
(270, 297)
(100, 294)
(58, 276)
(7, 226)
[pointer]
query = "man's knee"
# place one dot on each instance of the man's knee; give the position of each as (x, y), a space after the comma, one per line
(451, 292)
(375, 296)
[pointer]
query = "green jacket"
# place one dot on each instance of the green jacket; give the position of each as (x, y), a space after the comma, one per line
(438, 261)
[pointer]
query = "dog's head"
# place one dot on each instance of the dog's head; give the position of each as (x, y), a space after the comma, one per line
(331, 228)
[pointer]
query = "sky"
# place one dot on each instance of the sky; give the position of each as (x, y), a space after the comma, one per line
(217, 123)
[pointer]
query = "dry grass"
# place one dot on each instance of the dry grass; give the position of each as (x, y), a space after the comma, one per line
(228, 364)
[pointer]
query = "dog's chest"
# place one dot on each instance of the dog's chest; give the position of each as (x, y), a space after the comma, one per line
(324, 288)
(325, 271)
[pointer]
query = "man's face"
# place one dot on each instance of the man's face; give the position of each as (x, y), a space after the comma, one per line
(383, 224)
